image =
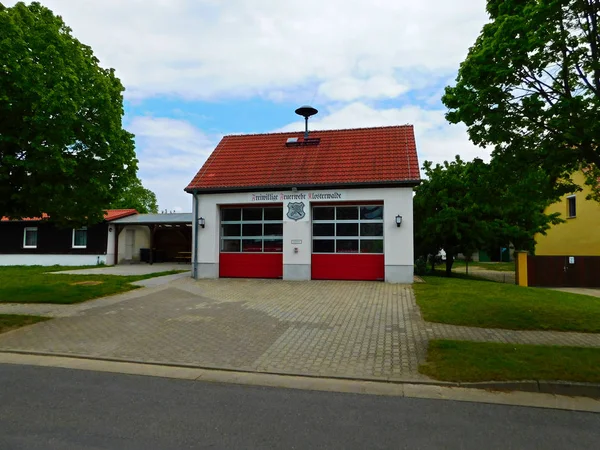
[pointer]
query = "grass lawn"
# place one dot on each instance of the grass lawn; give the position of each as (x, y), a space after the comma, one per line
(480, 303)
(481, 361)
(10, 321)
(33, 284)
(497, 266)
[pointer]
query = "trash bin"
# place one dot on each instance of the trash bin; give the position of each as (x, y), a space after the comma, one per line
(145, 255)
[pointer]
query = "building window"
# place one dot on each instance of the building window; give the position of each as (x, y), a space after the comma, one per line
(30, 236)
(572, 206)
(80, 238)
(252, 230)
(348, 229)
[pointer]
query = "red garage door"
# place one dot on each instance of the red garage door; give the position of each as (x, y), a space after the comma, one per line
(348, 242)
(251, 242)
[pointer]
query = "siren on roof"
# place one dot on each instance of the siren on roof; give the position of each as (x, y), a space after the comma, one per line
(306, 111)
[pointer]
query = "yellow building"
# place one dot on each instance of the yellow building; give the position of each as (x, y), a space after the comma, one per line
(580, 234)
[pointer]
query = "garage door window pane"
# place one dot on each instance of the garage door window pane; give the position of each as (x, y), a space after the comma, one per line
(273, 246)
(231, 230)
(273, 213)
(273, 229)
(323, 246)
(371, 246)
(252, 214)
(260, 229)
(346, 246)
(252, 245)
(346, 213)
(324, 213)
(371, 229)
(347, 229)
(371, 212)
(252, 229)
(323, 229)
(229, 245)
(232, 214)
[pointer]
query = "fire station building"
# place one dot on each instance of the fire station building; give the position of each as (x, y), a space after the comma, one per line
(332, 205)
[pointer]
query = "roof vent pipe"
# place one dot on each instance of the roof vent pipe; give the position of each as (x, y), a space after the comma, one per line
(306, 112)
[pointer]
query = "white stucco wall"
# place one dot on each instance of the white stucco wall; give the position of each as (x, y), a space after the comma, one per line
(142, 240)
(52, 260)
(398, 242)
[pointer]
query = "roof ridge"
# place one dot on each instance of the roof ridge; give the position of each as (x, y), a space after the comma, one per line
(407, 125)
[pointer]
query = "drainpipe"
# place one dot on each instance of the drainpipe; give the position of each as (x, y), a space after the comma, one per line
(195, 262)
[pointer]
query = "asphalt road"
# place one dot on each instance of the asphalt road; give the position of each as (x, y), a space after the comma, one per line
(50, 408)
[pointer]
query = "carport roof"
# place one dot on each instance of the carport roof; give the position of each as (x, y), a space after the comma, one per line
(148, 219)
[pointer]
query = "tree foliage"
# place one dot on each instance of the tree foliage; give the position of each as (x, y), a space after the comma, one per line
(63, 150)
(530, 87)
(462, 207)
(447, 215)
(137, 197)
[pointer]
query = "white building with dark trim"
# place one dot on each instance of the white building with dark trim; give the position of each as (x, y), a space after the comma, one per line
(334, 205)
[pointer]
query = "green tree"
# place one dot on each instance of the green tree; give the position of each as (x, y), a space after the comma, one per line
(63, 150)
(530, 87)
(462, 207)
(446, 210)
(137, 197)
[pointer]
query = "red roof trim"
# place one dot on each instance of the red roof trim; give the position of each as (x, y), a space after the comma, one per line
(114, 214)
(110, 214)
(382, 184)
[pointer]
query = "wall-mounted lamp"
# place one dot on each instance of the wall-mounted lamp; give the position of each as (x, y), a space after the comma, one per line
(201, 222)
(110, 229)
(398, 220)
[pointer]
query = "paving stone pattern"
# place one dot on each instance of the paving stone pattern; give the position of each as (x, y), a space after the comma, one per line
(363, 330)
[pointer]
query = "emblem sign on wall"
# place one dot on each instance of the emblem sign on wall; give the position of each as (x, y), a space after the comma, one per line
(295, 204)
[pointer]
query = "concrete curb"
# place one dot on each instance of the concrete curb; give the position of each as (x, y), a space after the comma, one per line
(568, 388)
(412, 381)
(559, 388)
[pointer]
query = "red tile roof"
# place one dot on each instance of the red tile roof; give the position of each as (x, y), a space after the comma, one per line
(362, 156)
(111, 214)
(114, 214)
(27, 219)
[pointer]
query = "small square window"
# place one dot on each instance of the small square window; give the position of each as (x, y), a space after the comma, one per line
(80, 238)
(30, 236)
(323, 213)
(323, 246)
(230, 245)
(231, 214)
(252, 214)
(273, 213)
(572, 206)
(346, 213)
(371, 212)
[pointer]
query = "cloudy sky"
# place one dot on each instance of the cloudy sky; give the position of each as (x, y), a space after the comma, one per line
(196, 70)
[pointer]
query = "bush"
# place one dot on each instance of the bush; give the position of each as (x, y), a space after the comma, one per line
(421, 266)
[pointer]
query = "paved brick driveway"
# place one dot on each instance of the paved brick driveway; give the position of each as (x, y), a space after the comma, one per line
(350, 329)
(324, 328)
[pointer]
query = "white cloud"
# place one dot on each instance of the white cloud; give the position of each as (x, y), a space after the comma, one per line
(207, 48)
(349, 89)
(170, 152)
